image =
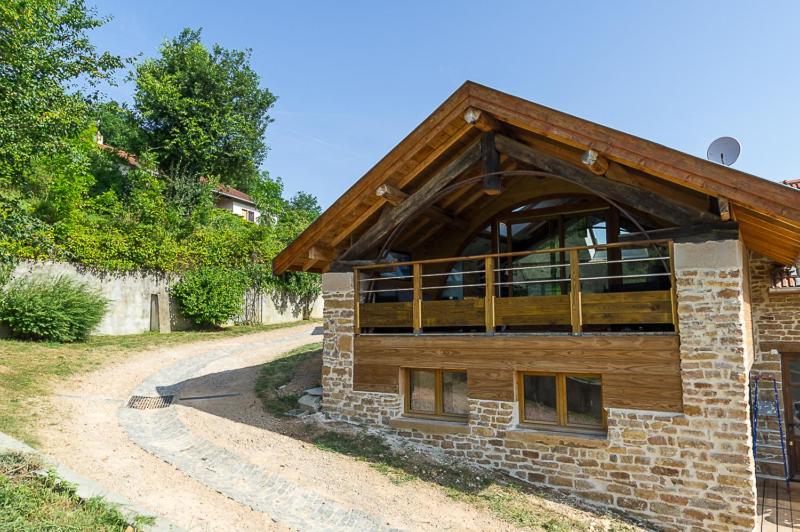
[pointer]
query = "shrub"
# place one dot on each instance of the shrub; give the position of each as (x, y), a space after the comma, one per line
(56, 309)
(210, 296)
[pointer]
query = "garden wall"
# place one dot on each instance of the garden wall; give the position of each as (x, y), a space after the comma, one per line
(139, 302)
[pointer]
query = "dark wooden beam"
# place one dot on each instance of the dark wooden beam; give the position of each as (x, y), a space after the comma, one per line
(641, 199)
(490, 159)
(395, 197)
(689, 233)
(415, 204)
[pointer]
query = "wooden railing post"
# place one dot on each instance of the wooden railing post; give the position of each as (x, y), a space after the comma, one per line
(575, 291)
(357, 305)
(488, 302)
(416, 307)
(673, 291)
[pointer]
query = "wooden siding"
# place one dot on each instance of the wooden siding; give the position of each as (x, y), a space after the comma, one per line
(627, 307)
(641, 372)
(385, 314)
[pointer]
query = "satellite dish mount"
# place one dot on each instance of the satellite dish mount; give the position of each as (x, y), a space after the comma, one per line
(724, 150)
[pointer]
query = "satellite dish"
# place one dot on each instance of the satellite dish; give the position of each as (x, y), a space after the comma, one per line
(724, 150)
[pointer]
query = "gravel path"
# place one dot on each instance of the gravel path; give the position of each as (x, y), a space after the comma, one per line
(221, 463)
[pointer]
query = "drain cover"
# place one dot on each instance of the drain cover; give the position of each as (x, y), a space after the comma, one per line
(143, 402)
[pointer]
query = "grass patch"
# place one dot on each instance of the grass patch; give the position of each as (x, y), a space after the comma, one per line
(513, 502)
(27, 368)
(279, 372)
(30, 501)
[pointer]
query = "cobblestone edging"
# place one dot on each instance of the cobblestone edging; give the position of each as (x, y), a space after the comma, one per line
(87, 489)
(161, 433)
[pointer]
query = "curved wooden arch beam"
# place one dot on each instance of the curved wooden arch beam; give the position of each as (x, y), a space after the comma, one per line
(642, 199)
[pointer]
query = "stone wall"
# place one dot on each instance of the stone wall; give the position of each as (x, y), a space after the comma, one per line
(131, 302)
(680, 470)
(776, 318)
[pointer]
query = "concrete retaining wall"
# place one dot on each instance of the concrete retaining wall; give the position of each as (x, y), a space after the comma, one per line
(137, 299)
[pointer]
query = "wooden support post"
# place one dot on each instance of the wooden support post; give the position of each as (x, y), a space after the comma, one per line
(357, 302)
(492, 185)
(488, 303)
(416, 308)
(724, 209)
(673, 287)
(575, 292)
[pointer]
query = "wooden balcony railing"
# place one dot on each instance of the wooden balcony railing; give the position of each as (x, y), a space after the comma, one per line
(609, 287)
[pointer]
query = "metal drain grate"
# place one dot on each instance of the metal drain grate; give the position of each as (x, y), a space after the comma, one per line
(143, 402)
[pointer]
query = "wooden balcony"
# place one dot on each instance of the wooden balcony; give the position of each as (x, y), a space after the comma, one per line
(621, 287)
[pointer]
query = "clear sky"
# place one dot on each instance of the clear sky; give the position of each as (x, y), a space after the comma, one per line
(353, 78)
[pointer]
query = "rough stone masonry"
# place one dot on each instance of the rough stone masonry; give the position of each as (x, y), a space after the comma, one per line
(689, 470)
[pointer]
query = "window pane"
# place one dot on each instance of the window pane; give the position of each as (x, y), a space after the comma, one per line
(584, 401)
(423, 385)
(454, 392)
(540, 398)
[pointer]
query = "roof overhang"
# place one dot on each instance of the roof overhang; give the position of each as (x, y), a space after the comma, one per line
(768, 212)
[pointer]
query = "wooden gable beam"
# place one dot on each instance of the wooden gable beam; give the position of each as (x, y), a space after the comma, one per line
(643, 200)
(416, 203)
(394, 196)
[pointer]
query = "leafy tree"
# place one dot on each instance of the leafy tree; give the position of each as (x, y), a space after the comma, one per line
(45, 55)
(204, 110)
(119, 127)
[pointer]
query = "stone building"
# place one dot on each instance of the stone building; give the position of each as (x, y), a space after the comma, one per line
(523, 290)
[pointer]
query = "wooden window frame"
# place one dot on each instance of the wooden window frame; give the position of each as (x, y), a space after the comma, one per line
(438, 391)
(562, 419)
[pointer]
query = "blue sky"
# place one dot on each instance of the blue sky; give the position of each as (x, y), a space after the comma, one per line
(353, 78)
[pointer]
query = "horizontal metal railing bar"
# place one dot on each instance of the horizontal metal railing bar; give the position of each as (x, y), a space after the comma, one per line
(631, 276)
(452, 286)
(394, 277)
(386, 290)
(536, 281)
(639, 244)
(621, 261)
(543, 266)
(451, 273)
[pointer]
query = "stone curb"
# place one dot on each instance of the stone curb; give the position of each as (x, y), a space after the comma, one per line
(87, 489)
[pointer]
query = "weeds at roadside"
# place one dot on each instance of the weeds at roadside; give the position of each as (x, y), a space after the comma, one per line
(32, 501)
(279, 372)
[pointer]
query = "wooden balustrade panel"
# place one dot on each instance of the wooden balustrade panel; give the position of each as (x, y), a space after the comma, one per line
(627, 307)
(639, 372)
(532, 310)
(453, 313)
(380, 315)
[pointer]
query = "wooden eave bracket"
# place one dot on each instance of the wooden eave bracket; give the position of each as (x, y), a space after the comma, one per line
(481, 120)
(596, 163)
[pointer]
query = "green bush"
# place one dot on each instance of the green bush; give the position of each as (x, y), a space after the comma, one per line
(54, 309)
(210, 296)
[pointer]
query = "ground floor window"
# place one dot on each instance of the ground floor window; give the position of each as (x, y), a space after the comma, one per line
(437, 393)
(571, 400)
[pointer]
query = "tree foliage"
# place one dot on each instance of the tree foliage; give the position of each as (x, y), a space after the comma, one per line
(210, 296)
(199, 119)
(45, 53)
(204, 110)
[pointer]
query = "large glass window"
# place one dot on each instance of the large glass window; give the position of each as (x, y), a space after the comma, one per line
(437, 392)
(562, 399)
